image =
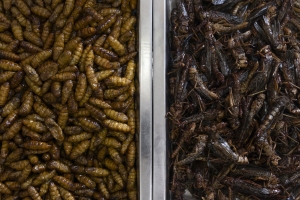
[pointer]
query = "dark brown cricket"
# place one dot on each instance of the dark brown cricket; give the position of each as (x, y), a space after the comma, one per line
(234, 99)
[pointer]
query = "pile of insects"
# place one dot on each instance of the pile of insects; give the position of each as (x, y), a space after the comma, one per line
(234, 83)
(67, 110)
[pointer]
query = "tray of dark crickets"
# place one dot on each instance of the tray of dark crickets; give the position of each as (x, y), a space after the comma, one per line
(234, 101)
(69, 99)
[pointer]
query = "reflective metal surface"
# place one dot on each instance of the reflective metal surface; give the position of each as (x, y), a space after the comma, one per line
(145, 100)
(160, 58)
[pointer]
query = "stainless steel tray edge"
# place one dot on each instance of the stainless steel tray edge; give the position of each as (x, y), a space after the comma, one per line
(145, 100)
(160, 58)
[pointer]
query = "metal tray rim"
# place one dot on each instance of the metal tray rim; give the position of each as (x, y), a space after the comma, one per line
(160, 58)
(145, 100)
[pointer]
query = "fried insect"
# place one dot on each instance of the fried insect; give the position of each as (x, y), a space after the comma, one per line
(105, 63)
(116, 45)
(126, 58)
(3, 46)
(89, 60)
(30, 47)
(79, 137)
(47, 70)
(58, 9)
(13, 46)
(120, 105)
(66, 91)
(131, 179)
(117, 81)
(131, 154)
(49, 41)
(113, 93)
(68, 7)
(41, 57)
(4, 54)
(5, 189)
(56, 89)
(86, 181)
(86, 96)
(9, 65)
(19, 165)
(53, 190)
(43, 177)
(44, 189)
(33, 38)
(64, 76)
(77, 54)
(67, 31)
(110, 164)
(89, 124)
(72, 68)
(32, 75)
(5, 87)
(36, 145)
(35, 125)
(58, 46)
(64, 59)
(117, 178)
(64, 182)
(128, 24)
(104, 53)
(117, 116)
(114, 154)
(102, 187)
(81, 87)
(87, 32)
(199, 85)
(119, 135)
(40, 11)
(95, 112)
(126, 143)
(83, 22)
(91, 77)
(130, 70)
(60, 75)
(80, 149)
(33, 193)
(15, 155)
(63, 118)
(35, 88)
(98, 172)
(8, 121)
(54, 129)
(106, 23)
(39, 168)
(116, 126)
(43, 110)
(83, 58)
(25, 173)
(17, 30)
(99, 103)
(65, 194)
